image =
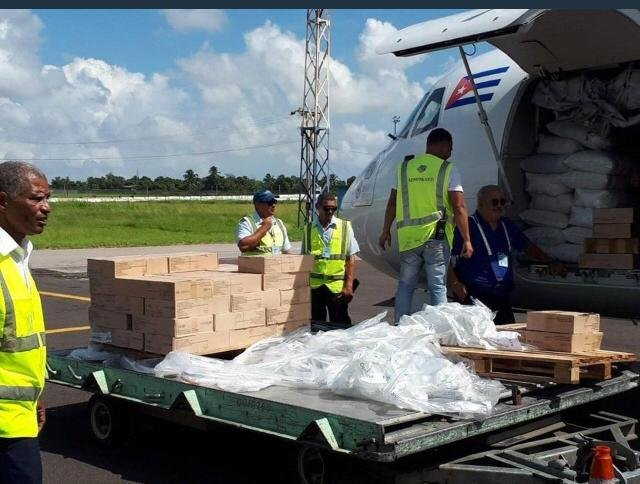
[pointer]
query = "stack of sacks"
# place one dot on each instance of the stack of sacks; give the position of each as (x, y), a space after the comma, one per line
(566, 182)
(190, 302)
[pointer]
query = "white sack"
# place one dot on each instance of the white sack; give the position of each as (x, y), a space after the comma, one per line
(566, 252)
(545, 218)
(545, 236)
(583, 135)
(592, 181)
(597, 161)
(576, 235)
(624, 90)
(546, 184)
(581, 216)
(557, 146)
(548, 164)
(601, 198)
(561, 203)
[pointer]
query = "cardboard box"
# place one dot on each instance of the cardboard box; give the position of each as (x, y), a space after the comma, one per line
(297, 263)
(567, 343)
(292, 312)
(101, 285)
(563, 321)
(118, 303)
(611, 246)
(260, 264)
(193, 261)
(124, 266)
(167, 288)
(239, 320)
(295, 296)
(247, 302)
(608, 261)
(110, 319)
(173, 326)
(118, 337)
(285, 281)
(615, 215)
(614, 231)
(271, 299)
(187, 308)
(200, 344)
(289, 326)
(243, 338)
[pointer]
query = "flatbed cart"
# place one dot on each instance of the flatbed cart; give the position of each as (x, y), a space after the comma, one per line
(324, 423)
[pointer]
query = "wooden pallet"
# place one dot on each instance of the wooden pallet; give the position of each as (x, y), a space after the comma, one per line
(542, 366)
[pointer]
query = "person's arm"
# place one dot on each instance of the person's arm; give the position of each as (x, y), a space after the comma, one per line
(41, 414)
(349, 277)
(458, 288)
(252, 241)
(389, 217)
(461, 218)
(286, 246)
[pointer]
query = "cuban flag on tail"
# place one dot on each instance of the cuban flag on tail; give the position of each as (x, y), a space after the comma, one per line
(485, 80)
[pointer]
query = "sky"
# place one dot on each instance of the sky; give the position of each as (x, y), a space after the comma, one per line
(157, 92)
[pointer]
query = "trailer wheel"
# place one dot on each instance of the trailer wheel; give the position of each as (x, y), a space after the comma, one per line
(109, 425)
(312, 465)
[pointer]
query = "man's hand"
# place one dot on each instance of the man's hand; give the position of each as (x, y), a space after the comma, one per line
(346, 293)
(467, 249)
(267, 223)
(460, 291)
(385, 239)
(42, 414)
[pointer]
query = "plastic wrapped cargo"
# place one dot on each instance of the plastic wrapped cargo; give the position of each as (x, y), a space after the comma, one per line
(545, 236)
(576, 235)
(561, 203)
(581, 216)
(546, 184)
(545, 218)
(582, 134)
(401, 365)
(545, 164)
(555, 145)
(601, 198)
(624, 90)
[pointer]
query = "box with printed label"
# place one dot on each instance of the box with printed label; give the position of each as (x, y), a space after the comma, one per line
(121, 338)
(124, 266)
(186, 308)
(193, 261)
(260, 264)
(110, 319)
(615, 215)
(614, 231)
(609, 261)
(243, 338)
(291, 312)
(611, 246)
(281, 281)
(165, 287)
(564, 342)
(239, 320)
(297, 263)
(295, 296)
(247, 301)
(173, 326)
(200, 344)
(563, 321)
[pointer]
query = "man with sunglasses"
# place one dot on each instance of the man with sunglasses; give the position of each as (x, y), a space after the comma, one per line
(488, 274)
(332, 243)
(262, 232)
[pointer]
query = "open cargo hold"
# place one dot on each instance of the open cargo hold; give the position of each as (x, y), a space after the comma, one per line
(566, 156)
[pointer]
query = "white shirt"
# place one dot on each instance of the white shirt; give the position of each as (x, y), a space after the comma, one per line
(352, 246)
(19, 253)
(244, 230)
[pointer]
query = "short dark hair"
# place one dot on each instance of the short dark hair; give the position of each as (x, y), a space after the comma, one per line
(15, 177)
(326, 196)
(439, 135)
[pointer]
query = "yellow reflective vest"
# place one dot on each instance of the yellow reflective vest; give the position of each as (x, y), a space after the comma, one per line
(273, 238)
(330, 260)
(422, 199)
(22, 352)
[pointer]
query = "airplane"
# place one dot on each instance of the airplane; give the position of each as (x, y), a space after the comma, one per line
(531, 44)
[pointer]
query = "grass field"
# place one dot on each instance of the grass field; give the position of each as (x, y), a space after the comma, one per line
(120, 224)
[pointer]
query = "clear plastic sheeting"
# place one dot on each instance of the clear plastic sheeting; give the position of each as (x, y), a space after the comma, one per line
(112, 359)
(401, 365)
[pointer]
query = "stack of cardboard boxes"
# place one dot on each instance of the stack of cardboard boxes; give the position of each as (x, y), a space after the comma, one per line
(192, 303)
(564, 331)
(614, 244)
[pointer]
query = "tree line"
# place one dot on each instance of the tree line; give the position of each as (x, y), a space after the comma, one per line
(190, 182)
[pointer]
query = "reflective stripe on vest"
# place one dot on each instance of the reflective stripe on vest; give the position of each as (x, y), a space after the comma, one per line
(26, 394)
(441, 212)
(264, 247)
(484, 237)
(343, 244)
(9, 342)
(328, 270)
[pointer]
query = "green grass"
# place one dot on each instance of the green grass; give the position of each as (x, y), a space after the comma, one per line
(123, 224)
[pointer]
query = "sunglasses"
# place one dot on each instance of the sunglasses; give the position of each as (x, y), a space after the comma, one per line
(330, 209)
(272, 203)
(498, 201)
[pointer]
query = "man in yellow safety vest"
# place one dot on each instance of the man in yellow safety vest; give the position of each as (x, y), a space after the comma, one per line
(428, 203)
(24, 208)
(262, 232)
(332, 243)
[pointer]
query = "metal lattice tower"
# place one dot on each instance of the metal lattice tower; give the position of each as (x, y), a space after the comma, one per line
(314, 128)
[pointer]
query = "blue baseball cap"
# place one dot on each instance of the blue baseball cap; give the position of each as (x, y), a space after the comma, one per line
(264, 196)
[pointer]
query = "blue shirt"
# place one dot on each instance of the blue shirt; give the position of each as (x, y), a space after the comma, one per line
(490, 273)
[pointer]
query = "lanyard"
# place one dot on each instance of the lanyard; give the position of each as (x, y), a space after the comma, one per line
(484, 237)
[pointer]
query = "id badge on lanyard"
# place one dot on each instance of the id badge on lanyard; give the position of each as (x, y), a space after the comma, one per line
(500, 266)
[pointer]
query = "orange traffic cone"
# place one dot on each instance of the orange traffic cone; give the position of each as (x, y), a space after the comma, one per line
(602, 466)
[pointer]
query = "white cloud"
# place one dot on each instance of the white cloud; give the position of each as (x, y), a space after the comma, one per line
(196, 19)
(441, 70)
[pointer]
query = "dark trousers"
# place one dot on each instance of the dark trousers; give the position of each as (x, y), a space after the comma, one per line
(20, 461)
(500, 304)
(323, 301)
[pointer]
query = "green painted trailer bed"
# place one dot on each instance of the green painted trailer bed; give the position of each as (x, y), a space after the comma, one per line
(367, 429)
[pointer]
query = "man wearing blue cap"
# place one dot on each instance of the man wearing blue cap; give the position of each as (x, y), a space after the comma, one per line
(262, 232)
